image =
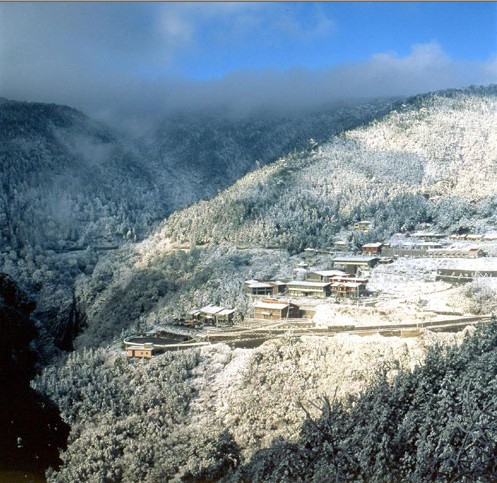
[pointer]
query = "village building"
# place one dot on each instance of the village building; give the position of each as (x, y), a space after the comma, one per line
(490, 236)
(341, 245)
(281, 287)
(474, 237)
(145, 347)
(459, 275)
(213, 315)
(348, 278)
(473, 252)
(270, 309)
(429, 245)
(352, 264)
(363, 225)
(324, 275)
(372, 248)
(142, 351)
(306, 288)
(352, 289)
(427, 235)
(264, 287)
(254, 287)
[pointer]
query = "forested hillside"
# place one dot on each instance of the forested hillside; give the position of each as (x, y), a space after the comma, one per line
(436, 423)
(192, 415)
(72, 188)
(69, 187)
(255, 415)
(68, 181)
(197, 155)
(432, 159)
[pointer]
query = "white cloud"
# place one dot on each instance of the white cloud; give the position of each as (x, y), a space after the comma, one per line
(96, 58)
(291, 24)
(422, 56)
(490, 71)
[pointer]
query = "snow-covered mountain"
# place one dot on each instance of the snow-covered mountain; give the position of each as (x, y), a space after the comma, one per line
(196, 414)
(198, 155)
(69, 185)
(431, 159)
(72, 188)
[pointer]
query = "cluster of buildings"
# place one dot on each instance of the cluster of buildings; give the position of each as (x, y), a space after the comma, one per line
(347, 279)
(349, 276)
(272, 309)
(474, 237)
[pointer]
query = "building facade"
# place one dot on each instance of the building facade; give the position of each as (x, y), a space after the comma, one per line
(307, 288)
(275, 310)
(351, 265)
(349, 289)
(213, 315)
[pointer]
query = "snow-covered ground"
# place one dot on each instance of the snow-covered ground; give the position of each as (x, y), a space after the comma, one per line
(406, 291)
(259, 393)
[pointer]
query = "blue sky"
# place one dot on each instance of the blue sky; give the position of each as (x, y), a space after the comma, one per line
(321, 35)
(110, 57)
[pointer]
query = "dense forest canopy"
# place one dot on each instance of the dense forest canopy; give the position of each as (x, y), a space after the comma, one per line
(435, 423)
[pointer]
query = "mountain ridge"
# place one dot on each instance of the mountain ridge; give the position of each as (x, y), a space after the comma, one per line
(72, 186)
(309, 198)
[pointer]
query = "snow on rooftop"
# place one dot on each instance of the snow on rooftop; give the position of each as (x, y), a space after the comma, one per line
(265, 305)
(347, 284)
(427, 234)
(330, 273)
(354, 258)
(226, 312)
(211, 309)
(306, 283)
(260, 285)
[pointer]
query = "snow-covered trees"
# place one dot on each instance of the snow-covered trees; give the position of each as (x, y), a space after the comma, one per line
(437, 422)
(161, 420)
(383, 172)
(68, 183)
(477, 297)
(198, 413)
(125, 417)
